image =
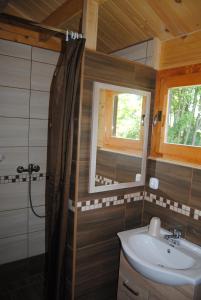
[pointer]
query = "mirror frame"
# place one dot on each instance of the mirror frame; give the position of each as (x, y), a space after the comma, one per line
(93, 147)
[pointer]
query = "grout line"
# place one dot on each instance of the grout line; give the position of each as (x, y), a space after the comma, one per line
(24, 118)
(25, 89)
(21, 234)
(29, 59)
(28, 209)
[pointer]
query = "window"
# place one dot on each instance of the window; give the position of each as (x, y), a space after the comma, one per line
(183, 122)
(178, 135)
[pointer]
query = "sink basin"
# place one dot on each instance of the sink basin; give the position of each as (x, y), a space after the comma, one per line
(160, 260)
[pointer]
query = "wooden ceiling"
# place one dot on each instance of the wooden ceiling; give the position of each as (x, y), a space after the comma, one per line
(122, 22)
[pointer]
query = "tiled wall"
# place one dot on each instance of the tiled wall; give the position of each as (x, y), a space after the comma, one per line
(25, 79)
(142, 53)
(178, 199)
(101, 215)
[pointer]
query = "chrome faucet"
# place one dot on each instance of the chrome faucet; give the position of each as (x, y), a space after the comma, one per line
(174, 237)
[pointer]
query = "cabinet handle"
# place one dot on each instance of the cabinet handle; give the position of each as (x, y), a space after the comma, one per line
(125, 283)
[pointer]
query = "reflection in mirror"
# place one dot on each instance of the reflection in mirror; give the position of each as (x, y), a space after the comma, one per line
(119, 137)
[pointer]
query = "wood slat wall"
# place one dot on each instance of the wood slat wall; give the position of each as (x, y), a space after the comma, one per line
(181, 51)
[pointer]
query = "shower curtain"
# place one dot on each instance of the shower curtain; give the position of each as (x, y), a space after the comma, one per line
(63, 94)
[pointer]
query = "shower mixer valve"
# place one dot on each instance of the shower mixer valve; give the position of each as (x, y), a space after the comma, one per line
(31, 168)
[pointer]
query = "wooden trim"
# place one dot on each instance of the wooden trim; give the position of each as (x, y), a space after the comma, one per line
(90, 23)
(28, 37)
(184, 76)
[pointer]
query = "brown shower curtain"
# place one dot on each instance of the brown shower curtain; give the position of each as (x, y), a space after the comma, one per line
(64, 92)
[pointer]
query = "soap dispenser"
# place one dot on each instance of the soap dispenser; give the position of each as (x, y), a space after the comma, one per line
(155, 226)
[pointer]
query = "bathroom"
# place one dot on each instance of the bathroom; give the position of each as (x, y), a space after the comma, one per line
(106, 195)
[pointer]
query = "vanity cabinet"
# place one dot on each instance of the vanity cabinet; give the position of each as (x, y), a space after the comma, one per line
(134, 286)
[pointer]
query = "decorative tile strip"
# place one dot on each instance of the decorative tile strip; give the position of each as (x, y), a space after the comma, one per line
(109, 201)
(22, 178)
(174, 206)
(104, 180)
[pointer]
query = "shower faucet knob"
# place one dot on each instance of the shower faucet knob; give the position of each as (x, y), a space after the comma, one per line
(35, 168)
(20, 169)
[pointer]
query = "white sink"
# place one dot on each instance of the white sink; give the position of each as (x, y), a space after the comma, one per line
(157, 260)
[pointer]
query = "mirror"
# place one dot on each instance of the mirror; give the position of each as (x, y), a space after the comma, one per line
(120, 121)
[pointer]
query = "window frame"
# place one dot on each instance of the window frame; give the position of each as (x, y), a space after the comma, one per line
(178, 77)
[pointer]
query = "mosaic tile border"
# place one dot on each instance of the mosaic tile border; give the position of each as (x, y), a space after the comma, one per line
(22, 178)
(109, 201)
(104, 180)
(173, 206)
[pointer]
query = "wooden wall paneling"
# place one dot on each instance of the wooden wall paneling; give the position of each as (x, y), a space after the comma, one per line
(26, 36)
(181, 51)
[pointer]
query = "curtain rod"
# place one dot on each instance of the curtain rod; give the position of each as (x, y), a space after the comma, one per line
(17, 21)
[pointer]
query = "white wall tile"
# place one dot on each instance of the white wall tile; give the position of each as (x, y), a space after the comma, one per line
(15, 49)
(15, 72)
(41, 76)
(45, 56)
(150, 48)
(13, 132)
(38, 132)
(13, 222)
(149, 61)
(14, 102)
(12, 158)
(13, 248)
(39, 104)
(35, 223)
(134, 52)
(13, 196)
(36, 243)
(38, 192)
(38, 155)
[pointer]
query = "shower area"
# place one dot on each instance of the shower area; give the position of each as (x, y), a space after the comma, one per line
(25, 79)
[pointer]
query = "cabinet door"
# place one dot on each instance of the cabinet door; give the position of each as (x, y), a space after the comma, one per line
(128, 290)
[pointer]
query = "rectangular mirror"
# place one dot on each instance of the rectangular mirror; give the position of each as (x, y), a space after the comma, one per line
(120, 123)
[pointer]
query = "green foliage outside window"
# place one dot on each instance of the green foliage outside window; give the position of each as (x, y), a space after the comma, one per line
(184, 116)
(127, 119)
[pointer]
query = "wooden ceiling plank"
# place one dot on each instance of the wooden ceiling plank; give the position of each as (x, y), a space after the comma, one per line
(65, 12)
(167, 16)
(3, 5)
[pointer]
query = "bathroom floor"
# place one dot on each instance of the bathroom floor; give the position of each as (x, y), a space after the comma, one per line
(22, 280)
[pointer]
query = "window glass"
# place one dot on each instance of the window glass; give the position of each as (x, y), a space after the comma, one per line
(183, 121)
(127, 115)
